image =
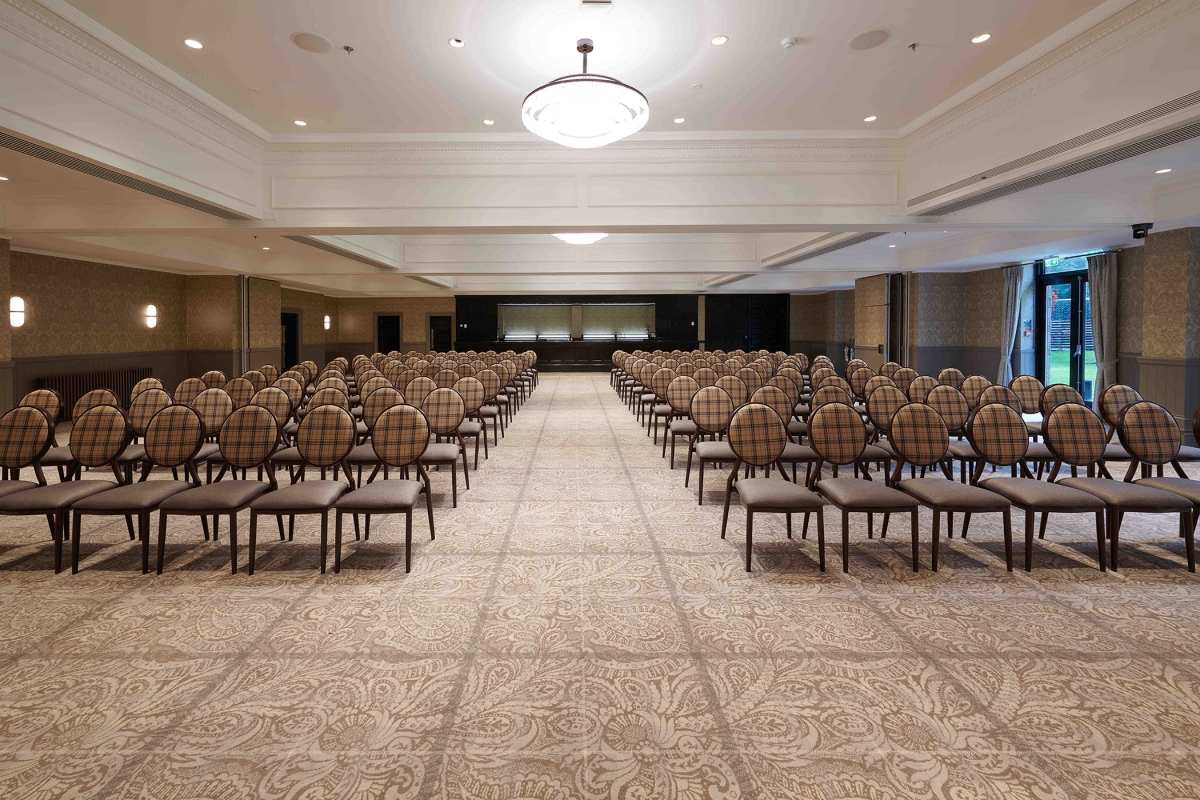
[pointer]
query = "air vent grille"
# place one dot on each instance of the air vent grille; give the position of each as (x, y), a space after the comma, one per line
(112, 176)
(337, 251)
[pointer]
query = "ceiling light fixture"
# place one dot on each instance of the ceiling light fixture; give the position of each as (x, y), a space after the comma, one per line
(720, 40)
(266, 248)
(192, 43)
(580, 238)
(891, 245)
(1156, 172)
(457, 43)
(489, 122)
(680, 120)
(301, 123)
(871, 118)
(2, 178)
(585, 111)
(981, 38)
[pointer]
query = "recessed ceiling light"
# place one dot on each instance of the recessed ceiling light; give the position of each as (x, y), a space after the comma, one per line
(871, 118)
(580, 238)
(680, 120)
(981, 38)
(192, 43)
(891, 245)
(697, 85)
(301, 123)
(457, 43)
(1156, 172)
(720, 40)
(2, 178)
(867, 40)
(266, 248)
(489, 122)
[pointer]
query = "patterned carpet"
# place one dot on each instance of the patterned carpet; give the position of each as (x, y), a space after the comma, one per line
(579, 629)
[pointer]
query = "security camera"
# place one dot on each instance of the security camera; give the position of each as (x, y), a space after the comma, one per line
(1141, 229)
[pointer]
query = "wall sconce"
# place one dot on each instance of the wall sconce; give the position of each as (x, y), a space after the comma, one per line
(151, 316)
(326, 322)
(16, 311)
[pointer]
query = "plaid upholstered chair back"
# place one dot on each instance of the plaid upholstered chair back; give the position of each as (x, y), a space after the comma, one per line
(919, 434)
(506, 376)
(418, 389)
(292, 388)
(445, 378)
(722, 368)
(47, 400)
(326, 436)
(1074, 434)
(646, 373)
(777, 399)
(787, 385)
(1114, 400)
(1055, 395)
(100, 434)
(174, 436)
(998, 433)
(661, 379)
(875, 383)
(96, 397)
(801, 362)
(889, 369)
(757, 435)
(920, 387)
(858, 381)
(213, 406)
(852, 366)
(188, 389)
(835, 380)
(373, 406)
(749, 376)
(400, 436)
(1001, 394)
(330, 395)
(951, 377)
(465, 370)
(471, 391)
(819, 374)
(831, 393)
(1028, 390)
(257, 379)
(144, 407)
(249, 437)
(445, 410)
(706, 376)
(298, 375)
(241, 390)
(837, 433)
(333, 382)
(883, 403)
(712, 409)
(904, 378)
(735, 388)
(973, 387)
(686, 368)
(792, 373)
(276, 401)
(951, 405)
(491, 384)
(270, 372)
(371, 384)
(143, 385)
(214, 379)
(26, 433)
(680, 393)
(1150, 433)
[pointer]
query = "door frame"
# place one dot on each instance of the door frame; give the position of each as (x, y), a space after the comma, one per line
(375, 328)
(1078, 281)
(299, 312)
(453, 328)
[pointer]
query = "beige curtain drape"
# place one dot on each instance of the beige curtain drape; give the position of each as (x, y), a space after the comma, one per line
(1010, 321)
(1102, 278)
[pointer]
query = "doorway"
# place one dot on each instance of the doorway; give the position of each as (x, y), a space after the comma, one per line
(290, 324)
(1065, 348)
(440, 333)
(387, 333)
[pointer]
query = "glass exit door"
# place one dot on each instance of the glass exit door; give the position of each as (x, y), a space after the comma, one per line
(1066, 350)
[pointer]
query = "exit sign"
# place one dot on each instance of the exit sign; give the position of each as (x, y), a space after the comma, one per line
(1051, 262)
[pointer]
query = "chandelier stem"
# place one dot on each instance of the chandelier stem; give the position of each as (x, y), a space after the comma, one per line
(585, 62)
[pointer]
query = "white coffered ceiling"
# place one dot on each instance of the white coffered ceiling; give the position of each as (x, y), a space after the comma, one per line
(395, 187)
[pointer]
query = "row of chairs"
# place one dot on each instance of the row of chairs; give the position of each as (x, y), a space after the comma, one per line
(870, 420)
(342, 416)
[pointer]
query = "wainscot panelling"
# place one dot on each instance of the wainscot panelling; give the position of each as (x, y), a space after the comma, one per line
(932, 360)
(170, 367)
(201, 361)
(269, 355)
(983, 361)
(1175, 384)
(1128, 370)
(7, 399)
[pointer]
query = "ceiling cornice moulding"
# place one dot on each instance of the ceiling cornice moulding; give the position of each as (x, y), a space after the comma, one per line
(79, 40)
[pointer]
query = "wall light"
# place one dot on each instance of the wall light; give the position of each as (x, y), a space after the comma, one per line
(151, 316)
(326, 322)
(16, 311)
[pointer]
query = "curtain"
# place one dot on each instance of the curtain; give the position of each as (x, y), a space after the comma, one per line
(1010, 320)
(1102, 280)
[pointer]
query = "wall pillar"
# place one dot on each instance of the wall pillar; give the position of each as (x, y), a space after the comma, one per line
(7, 400)
(1169, 368)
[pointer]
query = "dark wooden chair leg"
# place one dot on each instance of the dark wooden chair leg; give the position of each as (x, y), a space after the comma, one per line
(337, 542)
(749, 537)
(1029, 540)
(233, 544)
(253, 541)
(1008, 547)
(915, 543)
(324, 538)
(937, 534)
(1101, 546)
(820, 537)
(162, 539)
(845, 540)
(408, 539)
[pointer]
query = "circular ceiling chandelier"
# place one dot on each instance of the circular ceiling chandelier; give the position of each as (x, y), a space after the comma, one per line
(585, 110)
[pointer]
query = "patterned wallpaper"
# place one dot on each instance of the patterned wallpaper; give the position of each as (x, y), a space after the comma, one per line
(1169, 259)
(265, 330)
(83, 308)
(983, 301)
(312, 314)
(1129, 300)
(213, 312)
(533, 319)
(939, 317)
(5, 293)
(357, 317)
(842, 314)
(824, 317)
(869, 311)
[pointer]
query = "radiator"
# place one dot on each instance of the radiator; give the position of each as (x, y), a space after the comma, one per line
(72, 387)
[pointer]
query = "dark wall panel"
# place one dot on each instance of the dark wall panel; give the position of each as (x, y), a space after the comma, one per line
(675, 316)
(747, 321)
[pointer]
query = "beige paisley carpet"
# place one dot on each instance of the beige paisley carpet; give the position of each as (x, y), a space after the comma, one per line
(579, 630)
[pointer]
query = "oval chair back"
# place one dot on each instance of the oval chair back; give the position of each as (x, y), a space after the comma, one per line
(173, 438)
(858, 381)
(776, 399)
(973, 387)
(96, 397)
(26, 434)
(329, 396)
(270, 372)
(883, 404)
(904, 378)
(711, 410)
(187, 390)
(951, 377)
(214, 406)
(418, 389)
(757, 435)
(1114, 400)
(1075, 435)
(919, 437)
(889, 369)
(326, 436)
(144, 407)
(735, 387)
(1055, 395)
(214, 379)
(276, 401)
(445, 378)
(143, 385)
(837, 434)
(249, 439)
(997, 432)
(788, 386)
(1151, 435)
(829, 394)
(292, 388)
(875, 383)
(379, 401)
(951, 404)
(471, 391)
(241, 390)
(400, 436)
(1003, 395)
(100, 435)
(445, 411)
(680, 393)
(706, 376)
(257, 379)
(1028, 390)
(920, 387)
(47, 400)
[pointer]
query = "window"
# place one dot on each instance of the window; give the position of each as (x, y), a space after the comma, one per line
(1065, 349)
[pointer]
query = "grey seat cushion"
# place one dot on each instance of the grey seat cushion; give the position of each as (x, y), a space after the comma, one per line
(1038, 451)
(469, 428)
(662, 410)
(287, 456)
(58, 456)
(441, 453)
(775, 494)
(1130, 496)
(1042, 494)
(683, 427)
(1034, 426)
(134, 453)
(861, 494)
(290, 428)
(797, 428)
(363, 454)
(962, 449)
(1187, 453)
(361, 428)
(381, 496)
(1180, 486)
(44, 499)
(715, 451)
(487, 412)
(874, 452)
(798, 454)
(12, 487)
(307, 497)
(135, 497)
(886, 446)
(209, 451)
(801, 409)
(222, 497)
(1115, 452)
(959, 496)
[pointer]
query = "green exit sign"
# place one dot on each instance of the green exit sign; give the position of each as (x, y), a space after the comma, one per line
(1051, 262)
